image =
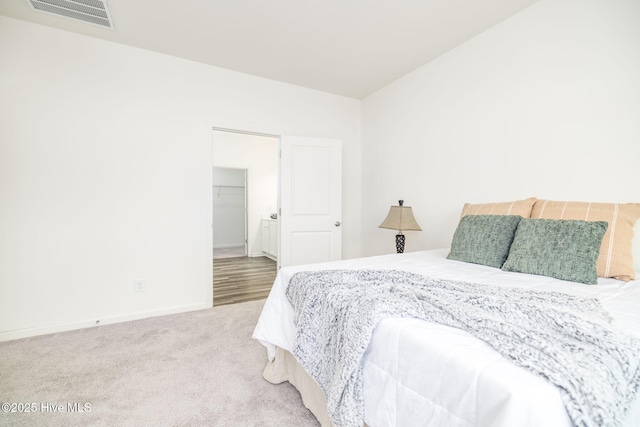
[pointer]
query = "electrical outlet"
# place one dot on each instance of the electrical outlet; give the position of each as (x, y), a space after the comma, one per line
(138, 286)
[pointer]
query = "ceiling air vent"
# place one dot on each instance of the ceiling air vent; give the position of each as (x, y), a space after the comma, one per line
(92, 11)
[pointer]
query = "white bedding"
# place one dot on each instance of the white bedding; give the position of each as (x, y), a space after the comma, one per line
(420, 373)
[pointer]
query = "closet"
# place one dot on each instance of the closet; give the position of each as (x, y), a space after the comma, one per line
(229, 212)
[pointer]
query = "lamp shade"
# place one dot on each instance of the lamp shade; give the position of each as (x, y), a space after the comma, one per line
(400, 218)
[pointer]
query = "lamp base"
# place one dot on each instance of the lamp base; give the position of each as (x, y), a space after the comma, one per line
(400, 243)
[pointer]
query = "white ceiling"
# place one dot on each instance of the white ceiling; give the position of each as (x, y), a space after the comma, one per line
(347, 47)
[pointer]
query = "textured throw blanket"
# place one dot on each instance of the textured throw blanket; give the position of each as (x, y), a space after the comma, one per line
(566, 339)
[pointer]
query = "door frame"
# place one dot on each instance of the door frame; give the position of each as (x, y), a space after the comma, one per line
(243, 128)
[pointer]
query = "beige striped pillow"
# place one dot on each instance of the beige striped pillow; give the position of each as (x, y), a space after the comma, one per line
(518, 207)
(616, 256)
(636, 248)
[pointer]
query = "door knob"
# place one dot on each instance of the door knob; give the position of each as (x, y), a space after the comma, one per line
(337, 223)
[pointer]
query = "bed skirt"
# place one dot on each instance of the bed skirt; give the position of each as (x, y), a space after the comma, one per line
(285, 367)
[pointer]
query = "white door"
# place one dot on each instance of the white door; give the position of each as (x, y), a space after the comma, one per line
(310, 200)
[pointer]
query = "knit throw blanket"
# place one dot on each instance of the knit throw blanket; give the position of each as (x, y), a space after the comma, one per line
(566, 339)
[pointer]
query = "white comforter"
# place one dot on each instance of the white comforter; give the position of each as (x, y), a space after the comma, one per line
(418, 373)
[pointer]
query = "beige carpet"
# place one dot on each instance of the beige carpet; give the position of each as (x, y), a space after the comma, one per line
(191, 369)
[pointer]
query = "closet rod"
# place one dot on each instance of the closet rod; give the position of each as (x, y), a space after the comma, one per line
(220, 187)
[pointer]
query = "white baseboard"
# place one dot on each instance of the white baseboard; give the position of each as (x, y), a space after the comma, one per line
(239, 245)
(257, 254)
(272, 257)
(44, 330)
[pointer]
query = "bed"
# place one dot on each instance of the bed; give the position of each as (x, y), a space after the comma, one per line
(416, 372)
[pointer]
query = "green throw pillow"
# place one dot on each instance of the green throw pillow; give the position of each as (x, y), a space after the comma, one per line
(564, 249)
(484, 239)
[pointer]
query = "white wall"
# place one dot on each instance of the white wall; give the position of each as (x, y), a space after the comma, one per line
(259, 156)
(105, 174)
(229, 207)
(545, 104)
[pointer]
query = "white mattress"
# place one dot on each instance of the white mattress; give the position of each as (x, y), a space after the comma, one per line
(418, 373)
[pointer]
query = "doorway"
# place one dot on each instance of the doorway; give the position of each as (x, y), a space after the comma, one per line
(245, 197)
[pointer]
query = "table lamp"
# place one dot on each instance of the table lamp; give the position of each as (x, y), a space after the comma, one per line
(400, 218)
